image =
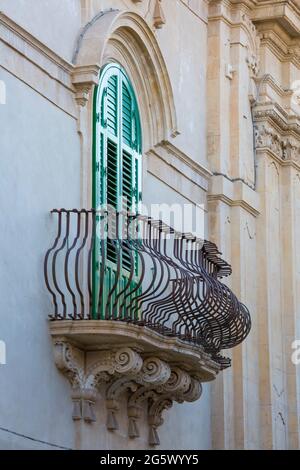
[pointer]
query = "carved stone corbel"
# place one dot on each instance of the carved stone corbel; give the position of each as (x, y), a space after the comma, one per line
(113, 393)
(123, 361)
(135, 408)
(155, 419)
(84, 405)
(70, 361)
(179, 387)
(83, 79)
(178, 383)
(154, 373)
(87, 379)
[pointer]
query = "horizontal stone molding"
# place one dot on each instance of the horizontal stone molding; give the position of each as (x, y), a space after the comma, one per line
(95, 335)
(199, 9)
(267, 82)
(272, 113)
(234, 194)
(100, 357)
(279, 43)
(265, 152)
(32, 62)
(287, 13)
(34, 50)
(170, 165)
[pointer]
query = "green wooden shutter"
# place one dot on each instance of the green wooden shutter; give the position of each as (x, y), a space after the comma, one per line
(127, 180)
(126, 115)
(112, 193)
(111, 111)
(117, 165)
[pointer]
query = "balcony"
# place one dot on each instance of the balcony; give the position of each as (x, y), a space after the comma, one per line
(140, 308)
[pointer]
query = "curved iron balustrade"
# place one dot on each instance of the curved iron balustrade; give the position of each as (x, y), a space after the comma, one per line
(142, 271)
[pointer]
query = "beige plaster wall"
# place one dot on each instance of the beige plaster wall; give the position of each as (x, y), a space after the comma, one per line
(253, 215)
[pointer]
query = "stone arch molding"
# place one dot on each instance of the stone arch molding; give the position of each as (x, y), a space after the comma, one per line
(126, 38)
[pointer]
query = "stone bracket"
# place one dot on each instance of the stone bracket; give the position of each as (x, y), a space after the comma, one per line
(150, 381)
(83, 79)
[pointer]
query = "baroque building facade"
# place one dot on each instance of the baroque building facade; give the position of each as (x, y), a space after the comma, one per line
(213, 87)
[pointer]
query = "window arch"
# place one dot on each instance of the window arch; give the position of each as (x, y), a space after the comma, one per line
(117, 155)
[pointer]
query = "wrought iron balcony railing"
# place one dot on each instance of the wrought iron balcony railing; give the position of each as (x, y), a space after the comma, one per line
(138, 270)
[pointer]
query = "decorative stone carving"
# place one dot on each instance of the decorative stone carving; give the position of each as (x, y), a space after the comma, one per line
(284, 148)
(291, 151)
(253, 64)
(252, 57)
(149, 380)
(178, 383)
(113, 393)
(154, 372)
(84, 405)
(69, 360)
(126, 362)
(158, 16)
(266, 137)
(179, 387)
(135, 408)
(83, 79)
(156, 409)
(85, 381)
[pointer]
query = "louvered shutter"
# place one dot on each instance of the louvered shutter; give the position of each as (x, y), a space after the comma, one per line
(111, 111)
(117, 167)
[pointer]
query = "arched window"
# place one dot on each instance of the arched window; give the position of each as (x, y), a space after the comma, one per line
(117, 148)
(117, 140)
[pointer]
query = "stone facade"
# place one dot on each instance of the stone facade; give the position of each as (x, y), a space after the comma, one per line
(216, 82)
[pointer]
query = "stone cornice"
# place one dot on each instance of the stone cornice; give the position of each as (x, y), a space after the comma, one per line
(285, 48)
(272, 113)
(275, 24)
(265, 5)
(227, 11)
(284, 12)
